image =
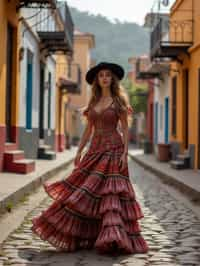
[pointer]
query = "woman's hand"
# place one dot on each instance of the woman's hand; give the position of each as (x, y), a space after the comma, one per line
(77, 158)
(123, 161)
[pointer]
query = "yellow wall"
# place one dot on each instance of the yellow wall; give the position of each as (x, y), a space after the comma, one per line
(8, 15)
(192, 62)
(82, 45)
(61, 71)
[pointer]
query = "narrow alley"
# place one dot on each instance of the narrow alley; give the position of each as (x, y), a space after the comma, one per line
(171, 228)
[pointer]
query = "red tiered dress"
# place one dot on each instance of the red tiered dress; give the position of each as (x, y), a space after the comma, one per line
(95, 206)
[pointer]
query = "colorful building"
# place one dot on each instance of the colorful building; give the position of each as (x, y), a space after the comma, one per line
(44, 34)
(32, 33)
(84, 42)
(11, 159)
(181, 43)
(138, 129)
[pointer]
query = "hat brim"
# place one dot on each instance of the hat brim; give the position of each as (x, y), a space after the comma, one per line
(115, 68)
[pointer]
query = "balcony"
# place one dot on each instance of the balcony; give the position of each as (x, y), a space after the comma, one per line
(144, 70)
(170, 38)
(68, 23)
(53, 38)
(37, 4)
(53, 41)
(69, 77)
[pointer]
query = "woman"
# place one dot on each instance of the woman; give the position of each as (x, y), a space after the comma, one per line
(96, 206)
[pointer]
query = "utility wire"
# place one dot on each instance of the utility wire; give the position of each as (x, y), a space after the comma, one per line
(44, 19)
(34, 15)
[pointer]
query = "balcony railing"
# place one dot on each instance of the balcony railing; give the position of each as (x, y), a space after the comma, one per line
(143, 70)
(37, 3)
(68, 23)
(171, 37)
(54, 28)
(69, 77)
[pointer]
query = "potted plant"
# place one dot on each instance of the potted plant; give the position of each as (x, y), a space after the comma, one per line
(164, 152)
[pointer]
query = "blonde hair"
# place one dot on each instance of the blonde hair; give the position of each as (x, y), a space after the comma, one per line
(118, 94)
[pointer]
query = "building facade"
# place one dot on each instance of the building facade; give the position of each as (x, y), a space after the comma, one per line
(32, 33)
(11, 158)
(46, 40)
(83, 43)
(182, 45)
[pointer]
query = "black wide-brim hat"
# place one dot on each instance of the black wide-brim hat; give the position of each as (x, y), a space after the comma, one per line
(115, 68)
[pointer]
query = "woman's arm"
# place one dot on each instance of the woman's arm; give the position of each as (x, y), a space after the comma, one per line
(124, 128)
(85, 136)
(84, 139)
(123, 117)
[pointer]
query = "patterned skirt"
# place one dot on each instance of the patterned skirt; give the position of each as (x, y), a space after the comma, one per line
(94, 207)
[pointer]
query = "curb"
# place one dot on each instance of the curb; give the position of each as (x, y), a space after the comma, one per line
(191, 193)
(16, 196)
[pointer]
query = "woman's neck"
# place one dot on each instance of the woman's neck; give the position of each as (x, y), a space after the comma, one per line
(106, 93)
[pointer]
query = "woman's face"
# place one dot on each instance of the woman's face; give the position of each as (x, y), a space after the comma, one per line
(104, 78)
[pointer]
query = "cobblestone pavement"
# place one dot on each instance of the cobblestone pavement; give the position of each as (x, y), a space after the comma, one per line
(171, 229)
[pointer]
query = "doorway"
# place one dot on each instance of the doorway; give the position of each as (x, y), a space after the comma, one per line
(29, 90)
(9, 82)
(185, 106)
(41, 110)
(156, 123)
(166, 119)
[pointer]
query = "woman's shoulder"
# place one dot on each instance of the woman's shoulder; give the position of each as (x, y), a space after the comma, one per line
(85, 110)
(126, 110)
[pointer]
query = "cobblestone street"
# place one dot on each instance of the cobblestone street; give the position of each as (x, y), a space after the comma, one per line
(171, 229)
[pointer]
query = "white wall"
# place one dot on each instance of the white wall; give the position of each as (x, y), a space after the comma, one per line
(29, 42)
(160, 93)
(50, 67)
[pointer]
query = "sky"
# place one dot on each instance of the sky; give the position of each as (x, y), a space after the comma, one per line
(123, 10)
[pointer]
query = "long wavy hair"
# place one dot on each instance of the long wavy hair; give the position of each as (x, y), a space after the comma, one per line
(118, 93)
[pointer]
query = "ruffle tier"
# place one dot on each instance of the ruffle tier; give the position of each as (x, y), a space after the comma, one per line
(95, 206)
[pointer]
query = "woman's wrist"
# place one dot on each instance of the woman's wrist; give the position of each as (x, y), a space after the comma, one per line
(79, 151)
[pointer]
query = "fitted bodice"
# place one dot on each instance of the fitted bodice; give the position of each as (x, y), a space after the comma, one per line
(105, 135)
(105, 120)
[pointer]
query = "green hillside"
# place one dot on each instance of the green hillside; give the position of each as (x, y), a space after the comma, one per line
(115, 42)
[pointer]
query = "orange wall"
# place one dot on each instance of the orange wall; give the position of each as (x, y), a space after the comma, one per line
(192, 62)
(61, 71)
(8, 14)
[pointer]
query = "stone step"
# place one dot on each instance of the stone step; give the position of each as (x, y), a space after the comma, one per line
(48, 155)
(44, 146)
(185, 158)
(9, 146)
(24, 166)
(13, 155)
(21, 166)
(176, 164)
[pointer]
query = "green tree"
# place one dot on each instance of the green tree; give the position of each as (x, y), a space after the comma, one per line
(137, 94)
